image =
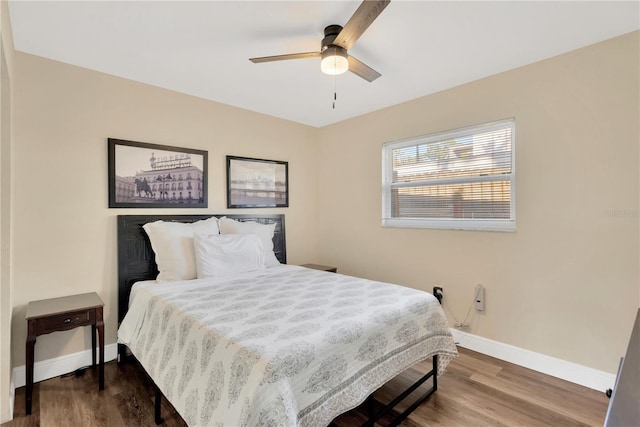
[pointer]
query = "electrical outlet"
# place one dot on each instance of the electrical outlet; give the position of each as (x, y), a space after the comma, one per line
(437, 292)
(479, 298)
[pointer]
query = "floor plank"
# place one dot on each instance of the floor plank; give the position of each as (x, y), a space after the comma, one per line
(476, 390)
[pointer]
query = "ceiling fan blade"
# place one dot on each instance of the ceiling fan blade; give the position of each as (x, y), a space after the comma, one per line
(284, 57)
(359, 22)
(362, 70)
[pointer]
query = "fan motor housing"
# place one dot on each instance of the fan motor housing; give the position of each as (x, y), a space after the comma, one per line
(330, 34)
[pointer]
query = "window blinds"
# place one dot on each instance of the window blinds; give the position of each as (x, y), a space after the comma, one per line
(457, 179)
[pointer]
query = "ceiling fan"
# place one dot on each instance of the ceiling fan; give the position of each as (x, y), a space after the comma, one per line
(338, 40)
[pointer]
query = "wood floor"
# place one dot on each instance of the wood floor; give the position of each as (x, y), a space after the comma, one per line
(476, 390)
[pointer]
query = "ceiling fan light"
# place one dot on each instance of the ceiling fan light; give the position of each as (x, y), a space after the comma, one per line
(334, 60)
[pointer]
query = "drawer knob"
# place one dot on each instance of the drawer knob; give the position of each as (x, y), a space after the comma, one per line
(67, 320)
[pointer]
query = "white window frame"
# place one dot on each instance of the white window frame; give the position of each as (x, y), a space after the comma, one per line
(447, 223)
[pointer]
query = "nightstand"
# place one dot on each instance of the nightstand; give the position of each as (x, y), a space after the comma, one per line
(328, 268)
(63, 314)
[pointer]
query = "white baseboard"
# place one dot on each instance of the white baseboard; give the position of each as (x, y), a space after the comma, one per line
(568, 371)
(12, 398)
(57, 366)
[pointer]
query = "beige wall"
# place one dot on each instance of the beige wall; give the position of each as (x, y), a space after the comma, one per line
(6, 289)
(64, 234)
(566, 283)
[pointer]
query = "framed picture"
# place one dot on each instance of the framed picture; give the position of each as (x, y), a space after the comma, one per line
(257, 183)
(145, 175)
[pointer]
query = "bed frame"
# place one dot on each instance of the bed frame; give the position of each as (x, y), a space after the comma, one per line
(136, 262)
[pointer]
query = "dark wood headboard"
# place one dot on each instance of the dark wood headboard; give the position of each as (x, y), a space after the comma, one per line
(136, 260)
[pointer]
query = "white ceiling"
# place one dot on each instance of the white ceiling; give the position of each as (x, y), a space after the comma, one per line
(202, 48)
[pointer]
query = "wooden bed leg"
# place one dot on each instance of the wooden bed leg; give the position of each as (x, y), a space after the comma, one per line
(158, 408)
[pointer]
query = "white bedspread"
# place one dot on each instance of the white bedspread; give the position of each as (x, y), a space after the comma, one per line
(285, 346)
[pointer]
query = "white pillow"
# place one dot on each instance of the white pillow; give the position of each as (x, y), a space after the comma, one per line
(264, 232)
(218, 254)
(172, 242)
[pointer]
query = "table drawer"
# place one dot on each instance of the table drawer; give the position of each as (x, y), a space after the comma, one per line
(63, 322)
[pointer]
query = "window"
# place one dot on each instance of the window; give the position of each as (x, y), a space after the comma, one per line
(460, 179)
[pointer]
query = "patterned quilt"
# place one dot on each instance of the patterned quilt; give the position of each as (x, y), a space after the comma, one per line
(285, 346)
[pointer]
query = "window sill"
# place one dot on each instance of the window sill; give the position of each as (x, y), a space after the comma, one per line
(448, 224)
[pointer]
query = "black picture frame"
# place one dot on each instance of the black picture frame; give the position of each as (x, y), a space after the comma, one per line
(257, 183)
(143, 175)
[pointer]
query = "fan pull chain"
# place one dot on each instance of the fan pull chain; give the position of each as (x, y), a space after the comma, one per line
(335, 92)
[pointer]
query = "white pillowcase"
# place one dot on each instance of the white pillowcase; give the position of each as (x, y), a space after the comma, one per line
(219, 254)
(263, 231)
(172, 242)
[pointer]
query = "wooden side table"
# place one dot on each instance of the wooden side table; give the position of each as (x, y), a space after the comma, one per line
(328, 268)
(63, 314)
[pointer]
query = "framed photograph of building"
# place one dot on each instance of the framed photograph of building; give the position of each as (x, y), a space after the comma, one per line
(257, 183)
(145, 175)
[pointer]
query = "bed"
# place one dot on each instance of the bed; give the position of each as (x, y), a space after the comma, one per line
(283, 345)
